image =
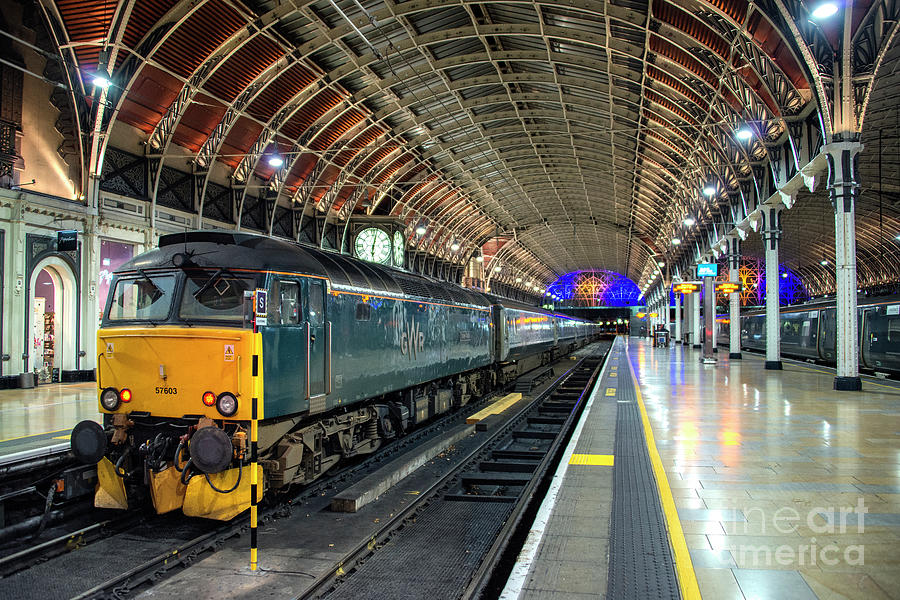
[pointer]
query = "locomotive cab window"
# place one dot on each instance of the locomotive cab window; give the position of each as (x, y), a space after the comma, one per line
(147, 298)
(316, 303)
(217, 296)
(284, 302)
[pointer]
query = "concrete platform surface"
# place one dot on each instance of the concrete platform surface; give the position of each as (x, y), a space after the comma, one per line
(785, 488)
(45, 415)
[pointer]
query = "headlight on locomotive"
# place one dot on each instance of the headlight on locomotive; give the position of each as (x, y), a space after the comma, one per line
(109, 399)
(226, 404)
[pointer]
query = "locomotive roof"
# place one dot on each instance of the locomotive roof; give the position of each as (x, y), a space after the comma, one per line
(242, 250)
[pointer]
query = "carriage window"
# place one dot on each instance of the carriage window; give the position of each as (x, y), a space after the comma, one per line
(144, 299)
(363, 311)
(894, 334)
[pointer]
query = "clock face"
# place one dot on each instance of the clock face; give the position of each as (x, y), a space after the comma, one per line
(374, 245)
(398, 249)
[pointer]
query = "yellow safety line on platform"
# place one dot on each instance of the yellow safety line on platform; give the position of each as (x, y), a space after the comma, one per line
(68, 436)
(496, 408)
(687, 578)
(592, 460)
(22, 437)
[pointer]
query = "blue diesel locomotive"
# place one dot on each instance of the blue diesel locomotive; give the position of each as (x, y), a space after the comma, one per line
(348, 354)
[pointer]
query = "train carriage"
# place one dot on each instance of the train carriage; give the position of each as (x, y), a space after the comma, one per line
(810, 332)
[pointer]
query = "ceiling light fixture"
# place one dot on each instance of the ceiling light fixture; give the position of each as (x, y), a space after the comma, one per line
(479, 258)
(101, 78)
(421, 229)
(689, 221)
(675, 241)
(709, 191)
(497, 269)
(825, 10)
(454, 246)
(518, 280)
(824, 262)
(275, 160)
(660, 264)
(744, 134)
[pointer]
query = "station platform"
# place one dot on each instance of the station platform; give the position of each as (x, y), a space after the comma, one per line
(43, 417)
(769, 484)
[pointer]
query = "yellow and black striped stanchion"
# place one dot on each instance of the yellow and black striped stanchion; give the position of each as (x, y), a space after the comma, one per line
(254, 437)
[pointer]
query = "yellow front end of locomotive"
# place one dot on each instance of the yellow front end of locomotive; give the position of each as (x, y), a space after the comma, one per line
(177, 372)
(171, 371)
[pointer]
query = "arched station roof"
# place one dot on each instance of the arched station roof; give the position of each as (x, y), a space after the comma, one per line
(570, 134)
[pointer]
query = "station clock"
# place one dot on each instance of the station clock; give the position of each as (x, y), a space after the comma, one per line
(399, 249)
(374, 245)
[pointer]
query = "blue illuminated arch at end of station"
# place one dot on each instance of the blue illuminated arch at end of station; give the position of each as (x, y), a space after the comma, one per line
(595, 288)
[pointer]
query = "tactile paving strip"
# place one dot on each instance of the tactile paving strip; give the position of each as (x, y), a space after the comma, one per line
(640, 560)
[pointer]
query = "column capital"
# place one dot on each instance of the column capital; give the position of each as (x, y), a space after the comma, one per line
(842, 170)
(771, 224)
(734, 252)
(837, 148)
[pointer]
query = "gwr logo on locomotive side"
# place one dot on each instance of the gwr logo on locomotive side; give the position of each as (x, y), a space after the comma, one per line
(412, 339)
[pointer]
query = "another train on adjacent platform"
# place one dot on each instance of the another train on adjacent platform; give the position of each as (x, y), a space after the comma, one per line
(809, 332)
(349, 354)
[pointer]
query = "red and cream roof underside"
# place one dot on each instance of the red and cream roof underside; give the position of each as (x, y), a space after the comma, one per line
(562, 134)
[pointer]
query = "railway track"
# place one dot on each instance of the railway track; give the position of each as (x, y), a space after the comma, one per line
(40, 489)
(149, 548)
(474, 514)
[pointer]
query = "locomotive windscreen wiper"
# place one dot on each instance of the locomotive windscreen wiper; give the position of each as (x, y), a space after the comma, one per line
(212, 280)
(157, 291)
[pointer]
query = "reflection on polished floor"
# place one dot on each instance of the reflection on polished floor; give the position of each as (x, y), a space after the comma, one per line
(45, 415)
(784, 487)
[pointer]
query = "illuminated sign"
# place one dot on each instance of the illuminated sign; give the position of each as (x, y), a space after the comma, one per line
(728, 287)
(686, 287)
(707, 270)
(653, 315)
(640, 315)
